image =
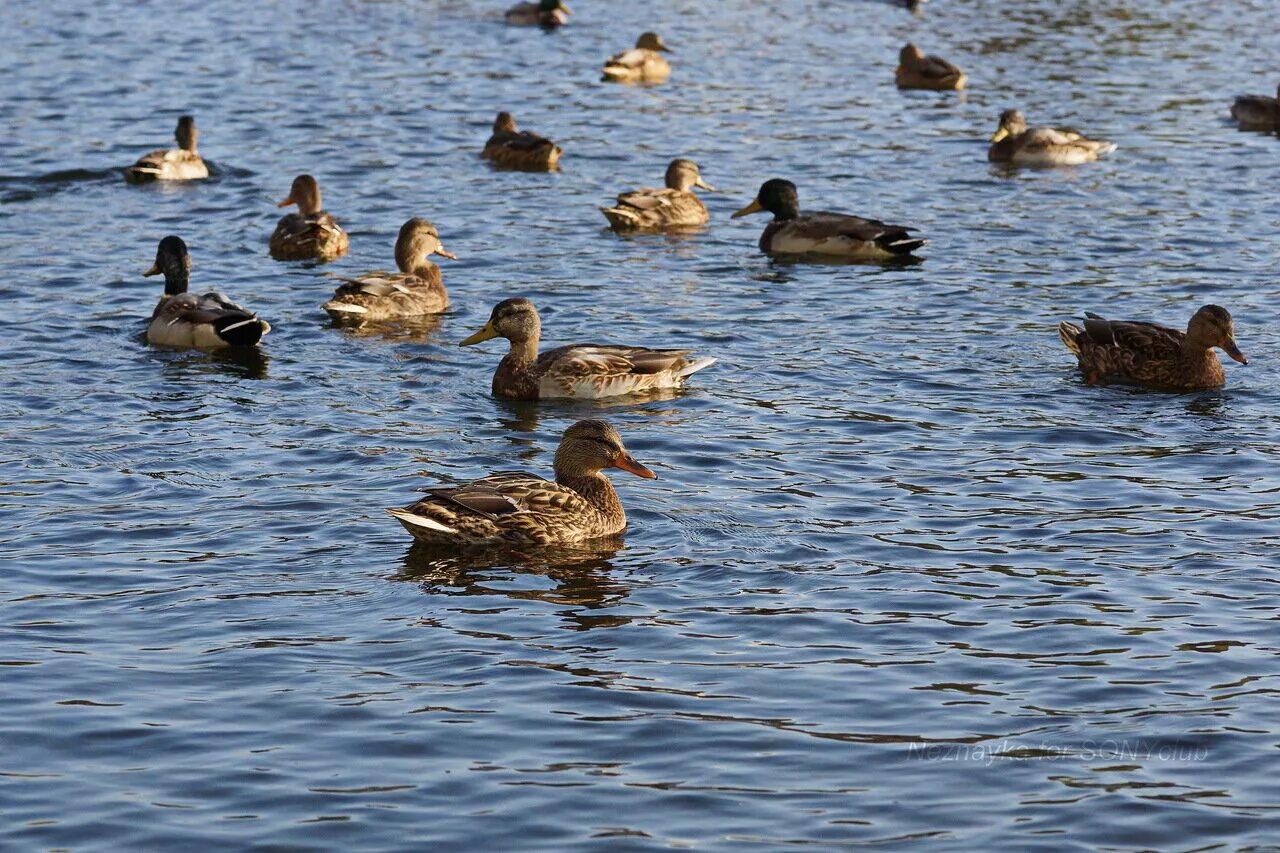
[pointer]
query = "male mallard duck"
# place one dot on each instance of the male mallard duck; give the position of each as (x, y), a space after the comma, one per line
(917, 71)
(513, 507)
(673, 207)
(1014, 143)
(520, 149)
(581, 371)
(546, 13)
(417, 289)
(1257, 112)
(311, 232)
(185, 320)
(171, 164)
(1148, 354)
(833, 234)
(643, 63)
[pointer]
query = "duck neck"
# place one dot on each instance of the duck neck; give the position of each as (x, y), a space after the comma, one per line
(523, 351)
(596, 489)
(176, 281)
(784, 210)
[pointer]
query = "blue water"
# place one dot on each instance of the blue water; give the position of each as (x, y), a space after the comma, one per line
(903, 581)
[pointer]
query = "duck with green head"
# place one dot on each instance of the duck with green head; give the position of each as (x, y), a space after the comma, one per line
(183, 163)
(1150, 354)
(834, 235)
(188, 321)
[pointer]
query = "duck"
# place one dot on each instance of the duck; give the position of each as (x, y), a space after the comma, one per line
(548, 14)
(520, 149)
(188, 321)
(311, 233)
(643, 63)
(1149, 354)
(836, 235)
(675, 206)
(1014, 143)
(917, 71)
(171, 164)
(417, 289)
(578, 371)
(516, 508)
(1257, 112)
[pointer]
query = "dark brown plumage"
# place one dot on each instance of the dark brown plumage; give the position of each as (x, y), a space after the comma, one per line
(520, 149)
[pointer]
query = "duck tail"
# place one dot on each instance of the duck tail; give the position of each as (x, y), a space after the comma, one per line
(241, 331)
(901, 245)
(1070, 334)
(422, 527)
(695, 364)
(619, 217)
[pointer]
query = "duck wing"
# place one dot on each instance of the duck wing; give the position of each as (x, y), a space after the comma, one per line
(1149, 340)
(507, 492)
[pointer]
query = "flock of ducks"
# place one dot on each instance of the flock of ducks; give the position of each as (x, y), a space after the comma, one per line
(581, 503)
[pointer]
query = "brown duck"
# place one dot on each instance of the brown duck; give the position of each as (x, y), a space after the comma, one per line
(520, 149)
(417, 289)
(1149, 354)
(547, 14)
(171, 164)
(580, 371)
(311, 233)
(674, 206)
(517, 508)
(917, 71)
(643, 63)
(1257, 112)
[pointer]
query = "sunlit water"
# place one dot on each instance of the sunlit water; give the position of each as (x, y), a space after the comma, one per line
(903, 578)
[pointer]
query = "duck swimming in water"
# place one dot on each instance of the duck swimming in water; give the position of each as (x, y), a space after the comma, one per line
(171, 164)
(188, 321)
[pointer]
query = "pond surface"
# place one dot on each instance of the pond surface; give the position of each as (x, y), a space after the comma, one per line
(904, 580)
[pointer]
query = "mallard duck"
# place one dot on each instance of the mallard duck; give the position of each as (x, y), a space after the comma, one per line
(1014, 143)
(520, 149)
(643, 63)
(188, 321)
(546, 13)
(917, 71)
(171, 164)
(673, 207)
(1148, 354)
(513, 507)
(832, 234)
(1257, 112)
(311, 232)
(581, 371)
(417, 289)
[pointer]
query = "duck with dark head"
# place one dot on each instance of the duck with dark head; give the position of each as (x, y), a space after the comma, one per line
(833, 235)
(187, 321)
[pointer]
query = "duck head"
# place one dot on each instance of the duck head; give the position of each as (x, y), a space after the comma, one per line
(305, 193)
(514, 319)
(776, 196)
(174, 263)
(416, 242)
(683, 174)
(1212, 326)
(1012, 123)
(652, 41)
(186, 133)
(589, 446)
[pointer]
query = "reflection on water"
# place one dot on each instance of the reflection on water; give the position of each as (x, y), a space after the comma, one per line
(904, 581)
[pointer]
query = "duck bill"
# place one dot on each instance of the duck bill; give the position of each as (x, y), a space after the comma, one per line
(999, 134)
(1232, 350)
(629, 464)
(288, 201)
(483, 335)
(754, 207)
(155, 270)
(706, 186)
(564, 8)
(439, 250)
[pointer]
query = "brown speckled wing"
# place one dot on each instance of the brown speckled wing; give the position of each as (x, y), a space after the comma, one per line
(578, 360)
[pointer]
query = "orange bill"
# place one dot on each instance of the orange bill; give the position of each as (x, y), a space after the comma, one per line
(439, 250)
(628, 463)
(288, 201)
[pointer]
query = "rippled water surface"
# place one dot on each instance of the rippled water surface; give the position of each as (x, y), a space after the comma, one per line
(904, 580)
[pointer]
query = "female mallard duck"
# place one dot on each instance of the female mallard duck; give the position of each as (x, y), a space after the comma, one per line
(417, 289)
(1148, 354)
(1014, 143)
(1257, 112)
(643, 63)
(520, 149)
(545, 13)
(185, 320)
(673, 207)
(311, 232)
(512, 507)
(171, 164)
(581, 371)
(917, 71)
(835, 235)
